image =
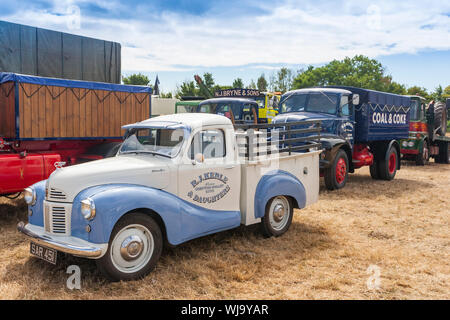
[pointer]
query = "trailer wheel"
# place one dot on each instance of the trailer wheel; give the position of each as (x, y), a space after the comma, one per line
(337, 174)
(387, 168)
(278, 216)
(424, 155)
(134, 248)
(444, 153)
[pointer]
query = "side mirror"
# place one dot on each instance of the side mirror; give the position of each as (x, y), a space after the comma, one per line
(355, 99)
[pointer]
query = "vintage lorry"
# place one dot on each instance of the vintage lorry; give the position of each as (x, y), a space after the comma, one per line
(48, 122)
(238, 110)
(359, 128)
(427, 133)
(175, 178)
(267, 101)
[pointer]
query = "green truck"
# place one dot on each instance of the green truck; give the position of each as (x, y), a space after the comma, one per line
(427, 133)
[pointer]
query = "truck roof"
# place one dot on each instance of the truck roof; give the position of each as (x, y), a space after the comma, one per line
(308, 90)
(225, 99)
(189, 120)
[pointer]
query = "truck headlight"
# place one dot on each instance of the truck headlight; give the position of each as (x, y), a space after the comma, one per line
(411, 144)
(405, 143)
(88, 209)
(30, 196)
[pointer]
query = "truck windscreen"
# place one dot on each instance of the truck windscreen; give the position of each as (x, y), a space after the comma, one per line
(322, 102)
(414, 113)
(164, 142)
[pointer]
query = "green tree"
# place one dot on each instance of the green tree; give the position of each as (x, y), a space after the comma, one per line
(359, 71)
(282, 81)
(166, 95)
(238, 83)
(418, 91)
(261, 83)
(136, 79)
(252, 84)
(438, 94)
(187, 88)
(208, 80)
(446, 94)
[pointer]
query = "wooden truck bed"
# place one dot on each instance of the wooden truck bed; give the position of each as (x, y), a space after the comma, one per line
(45, 108)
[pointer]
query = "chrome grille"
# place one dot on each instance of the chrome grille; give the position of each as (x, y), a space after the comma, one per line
(58, 220)
(56, 194)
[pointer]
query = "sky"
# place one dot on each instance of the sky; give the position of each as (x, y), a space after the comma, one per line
(176, 39)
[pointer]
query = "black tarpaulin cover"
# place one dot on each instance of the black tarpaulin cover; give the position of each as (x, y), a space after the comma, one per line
(47, 53)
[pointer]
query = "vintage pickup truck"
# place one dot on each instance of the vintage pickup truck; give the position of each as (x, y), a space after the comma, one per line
(175, 178)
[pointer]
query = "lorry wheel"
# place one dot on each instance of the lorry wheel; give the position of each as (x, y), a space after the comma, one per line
(424, 156)
(134, 248)
(444, 153)
(374, 173)
(387, 168)
(278, 216)
(336, 175)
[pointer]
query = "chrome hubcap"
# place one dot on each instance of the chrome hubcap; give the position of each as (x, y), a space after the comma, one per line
(279, 213)
(131, 248)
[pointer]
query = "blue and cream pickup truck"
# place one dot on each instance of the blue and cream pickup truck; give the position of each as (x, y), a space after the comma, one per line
(175, 178)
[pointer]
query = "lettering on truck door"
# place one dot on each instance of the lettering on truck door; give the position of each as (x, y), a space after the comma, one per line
(209, 176)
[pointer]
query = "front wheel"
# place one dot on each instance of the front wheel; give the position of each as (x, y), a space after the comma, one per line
(278, 216)
(424, 156)
(133, 250)
(337, 174)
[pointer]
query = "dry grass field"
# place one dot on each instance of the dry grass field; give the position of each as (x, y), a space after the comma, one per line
(401, 226)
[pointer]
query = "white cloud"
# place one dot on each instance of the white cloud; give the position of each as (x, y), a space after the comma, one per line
(292, 33)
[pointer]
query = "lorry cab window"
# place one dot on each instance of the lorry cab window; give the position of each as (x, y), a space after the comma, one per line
(210, 143)
(165, 142)
(345, 109)
(414, 113)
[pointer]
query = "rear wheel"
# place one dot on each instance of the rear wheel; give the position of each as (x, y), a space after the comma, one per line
(424, 155)
(444, 153)
(387, 168)
(374, 173)
(133, 250)
(336, 175)
(278, 216)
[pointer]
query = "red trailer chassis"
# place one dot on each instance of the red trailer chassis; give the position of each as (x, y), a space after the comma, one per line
(23, 163)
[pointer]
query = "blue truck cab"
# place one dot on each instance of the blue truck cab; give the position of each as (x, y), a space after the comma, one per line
(360, 127)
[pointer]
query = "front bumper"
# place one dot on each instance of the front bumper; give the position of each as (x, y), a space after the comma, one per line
(66, 244)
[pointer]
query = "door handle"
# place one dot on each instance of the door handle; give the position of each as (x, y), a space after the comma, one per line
(230, 167)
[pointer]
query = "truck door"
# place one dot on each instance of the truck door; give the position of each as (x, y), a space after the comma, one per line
(347, 122)
(209, 176)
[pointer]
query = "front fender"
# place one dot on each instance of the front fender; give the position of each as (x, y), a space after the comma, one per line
(37, 216)
(278, 183)
(182, 220)
(331, 146)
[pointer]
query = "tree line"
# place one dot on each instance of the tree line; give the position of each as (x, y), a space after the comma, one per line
(359, 71)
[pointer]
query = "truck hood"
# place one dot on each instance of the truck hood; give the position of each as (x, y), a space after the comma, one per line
(329, 121)
(299, 116)
(147, 170)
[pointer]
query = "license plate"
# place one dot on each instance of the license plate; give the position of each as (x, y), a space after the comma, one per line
(43, 253)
